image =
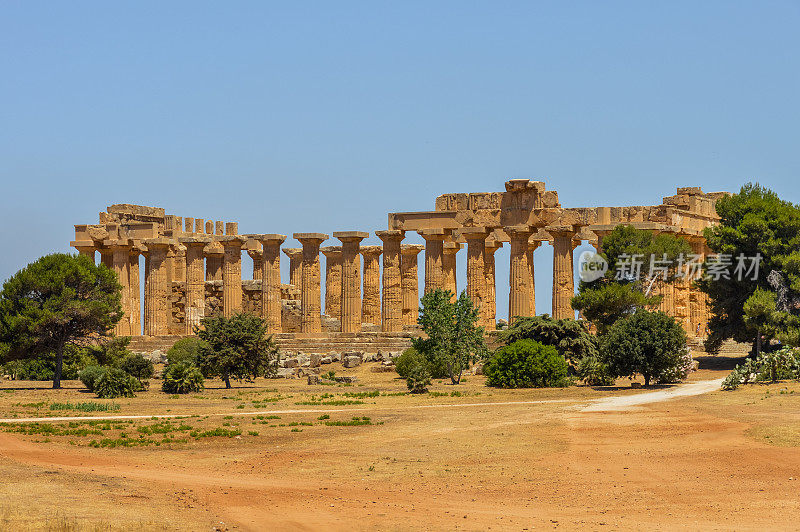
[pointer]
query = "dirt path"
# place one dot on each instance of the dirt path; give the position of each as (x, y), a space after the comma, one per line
(629, 401)
(597, 405)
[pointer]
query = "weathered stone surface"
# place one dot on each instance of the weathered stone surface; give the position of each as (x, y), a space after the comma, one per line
(351, 361)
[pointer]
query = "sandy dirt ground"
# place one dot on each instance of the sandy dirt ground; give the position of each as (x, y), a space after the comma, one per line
(482, 459)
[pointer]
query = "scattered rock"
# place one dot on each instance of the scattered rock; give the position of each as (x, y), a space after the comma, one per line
(313, 379)
(325, 360)
(351, 361)
(346, 379)
(315, 360)
(636, 385)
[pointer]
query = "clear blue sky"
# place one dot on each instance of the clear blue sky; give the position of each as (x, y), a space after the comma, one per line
(324, 116)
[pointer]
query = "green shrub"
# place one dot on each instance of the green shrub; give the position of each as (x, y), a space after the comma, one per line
(768, 367)
(138, 366)
(650, 344)
(410, 359)
(185, 349)
(182, 377)
(89, 376)
(570, 337)
(526, 364)
(418, 379)
(114, 383)
(593, 372)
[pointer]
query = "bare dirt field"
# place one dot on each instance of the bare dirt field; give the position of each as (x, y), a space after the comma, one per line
(279, 454)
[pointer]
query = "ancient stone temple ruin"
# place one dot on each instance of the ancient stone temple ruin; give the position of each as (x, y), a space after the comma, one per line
(193, 266)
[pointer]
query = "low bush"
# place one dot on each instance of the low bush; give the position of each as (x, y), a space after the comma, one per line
(526, 364)
(138, 366)
(89, 376)
(182, 377)
(768, 367)
(593, 372)
(410, 359)
(114, 382)
(185, 349)
(678, 372)
(418, 379)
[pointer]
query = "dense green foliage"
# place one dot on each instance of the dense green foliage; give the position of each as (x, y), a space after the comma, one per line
(592, 371)
(182, 377)
(610, 298)
(607, 301)
(89, 376)
(418, 379)
(766, 367)
(570, 337)
(453, 339)
(237, 347)
(754, 221)
(138, 366)
(526, 364)
(113, 382)
(187, 348)
(650, 344)
(408, 361)
(54, 302)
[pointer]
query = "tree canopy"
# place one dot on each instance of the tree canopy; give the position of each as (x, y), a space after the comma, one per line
(622, 291)
(56, 301)
(754, 222)
(570, 337)
(453, 337)
(237, 347)
(645, 343)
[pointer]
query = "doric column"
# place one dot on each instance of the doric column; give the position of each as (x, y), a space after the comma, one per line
(209, 227)
(295, 265)
(134, 282)
(271, 280)
(392, 316)
(231, 275)
(120, 252)
(519, 298)
(179, 266)
(155, 287)
(434, 243)
(449, 281)
(219, 227)
(311, 319)
(195, 308)
(254, 250)
(214, 254)
(491, 284)
(351, 279)
(476, 268)
(86, 248)
(371, 300)
(409, 283)
(532, 246)
(189, 225)
(333, 281)
(563, 273)
(106, 257)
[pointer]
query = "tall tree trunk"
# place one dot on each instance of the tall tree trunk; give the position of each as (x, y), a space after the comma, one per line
(647, 380)
(227, 380)
(59, 366)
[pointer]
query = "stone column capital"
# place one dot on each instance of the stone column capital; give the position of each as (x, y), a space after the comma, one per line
(231, 241)
(433, 234)
(411, 249)
(389, 235)
(194, 241)
(371, 251)
(519, 232)
(332, 252)
(293, 252)
(561, 231)
(475, 233)
(493, 245)
(451, 248)
(310, 238)
(269, 239)
(350, 236)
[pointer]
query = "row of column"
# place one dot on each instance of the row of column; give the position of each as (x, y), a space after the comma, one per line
(395, 310)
